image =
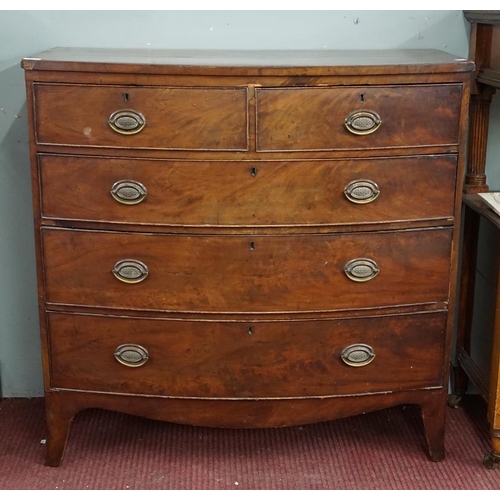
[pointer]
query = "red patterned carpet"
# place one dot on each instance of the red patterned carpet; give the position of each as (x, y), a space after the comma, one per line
(109, 451)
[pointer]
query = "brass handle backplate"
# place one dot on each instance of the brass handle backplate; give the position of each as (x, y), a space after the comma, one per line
(131, 355)
(362, 122)
(361, 191)
(130, 271)
(361, 269)
(357, 355)
(128, 192)
(127, 121)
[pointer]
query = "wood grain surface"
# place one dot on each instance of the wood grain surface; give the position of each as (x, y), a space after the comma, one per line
(246, 274)
(223, 360)
(250, 193)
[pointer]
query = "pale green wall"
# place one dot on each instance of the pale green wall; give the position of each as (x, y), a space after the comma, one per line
(23, 33)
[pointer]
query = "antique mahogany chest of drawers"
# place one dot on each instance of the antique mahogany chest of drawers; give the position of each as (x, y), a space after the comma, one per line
(246, 239)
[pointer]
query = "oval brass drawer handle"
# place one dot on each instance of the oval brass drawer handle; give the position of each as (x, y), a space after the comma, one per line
(130, 271)
(128, 192)
(132, 355)
(127, 121)
(361, 269)
(357, 355)
(362, 191)
(362, 122)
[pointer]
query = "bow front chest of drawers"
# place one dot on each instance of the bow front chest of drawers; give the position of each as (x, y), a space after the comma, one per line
(246, 239)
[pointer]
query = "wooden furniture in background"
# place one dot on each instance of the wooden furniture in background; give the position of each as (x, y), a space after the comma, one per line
(485, 51)
(246, 239)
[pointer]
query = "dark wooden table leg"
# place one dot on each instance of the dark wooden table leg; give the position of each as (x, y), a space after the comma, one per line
(466, 304)
(492, 460)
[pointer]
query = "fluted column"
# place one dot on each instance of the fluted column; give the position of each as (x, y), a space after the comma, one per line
(475, 178)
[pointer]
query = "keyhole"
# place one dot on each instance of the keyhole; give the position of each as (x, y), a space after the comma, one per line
(253, 171)
(252, 245)
(250, 330)
(126, 97)
(362, 97)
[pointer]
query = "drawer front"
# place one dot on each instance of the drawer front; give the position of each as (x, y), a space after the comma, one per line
(295, 119)
(246, 273)
(261, 193)
(228, 360)
(172, 118)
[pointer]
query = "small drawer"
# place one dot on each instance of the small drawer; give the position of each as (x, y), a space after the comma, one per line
(356, 118)
(239, 274)
(246, 359)
(260, 193)
(142, 117)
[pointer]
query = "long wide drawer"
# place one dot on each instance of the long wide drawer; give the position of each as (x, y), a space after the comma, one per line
(264, 193)
(340, 118)
(141, 117)
(246, 360)
(239, 274)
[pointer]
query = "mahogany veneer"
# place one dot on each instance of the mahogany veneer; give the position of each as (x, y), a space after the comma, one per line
(246, 239)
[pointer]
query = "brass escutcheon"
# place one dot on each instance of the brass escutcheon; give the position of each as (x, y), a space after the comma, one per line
(361, 269)
(130, 271)
(362, 191)
(362, 122)
(127, 121)
(128, 192)
(131, 355)
(357, 355)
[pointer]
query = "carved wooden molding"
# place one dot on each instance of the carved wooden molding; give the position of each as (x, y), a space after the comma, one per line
(475, 178)
(484, 83)
(489, 76)
(483, 16)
